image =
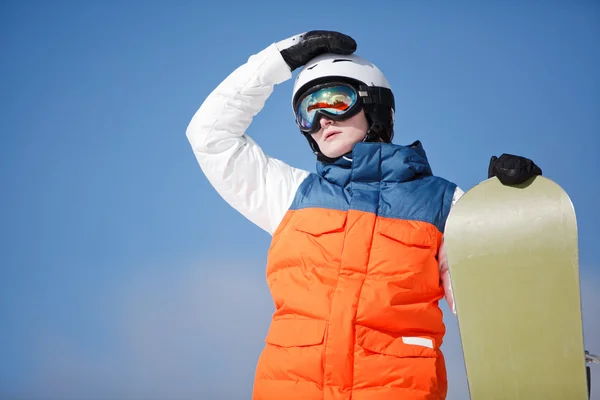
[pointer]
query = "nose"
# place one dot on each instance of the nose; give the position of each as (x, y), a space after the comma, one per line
(325, 122)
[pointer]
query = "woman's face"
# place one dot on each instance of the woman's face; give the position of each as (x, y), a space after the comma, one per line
(336, 138)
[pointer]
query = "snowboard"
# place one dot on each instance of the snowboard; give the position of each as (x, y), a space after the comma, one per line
(513, 259)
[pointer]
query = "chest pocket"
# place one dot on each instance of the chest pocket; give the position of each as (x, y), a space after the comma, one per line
(315, 238)
(319, 221)
(409, 233)
(312, 238)
(403, 247)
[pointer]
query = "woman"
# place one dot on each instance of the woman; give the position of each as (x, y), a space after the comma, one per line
(356, 265)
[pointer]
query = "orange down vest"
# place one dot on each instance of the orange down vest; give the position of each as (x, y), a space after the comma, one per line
(354, 275)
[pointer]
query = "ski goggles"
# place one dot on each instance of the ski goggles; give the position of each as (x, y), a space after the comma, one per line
(337, 101)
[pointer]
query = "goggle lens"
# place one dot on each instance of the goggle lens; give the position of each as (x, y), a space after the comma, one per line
(333, 100)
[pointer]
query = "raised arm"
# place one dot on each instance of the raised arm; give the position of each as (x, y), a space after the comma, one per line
(260, 187)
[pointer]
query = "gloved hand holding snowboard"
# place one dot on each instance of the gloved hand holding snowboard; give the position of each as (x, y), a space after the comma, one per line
(512, 170)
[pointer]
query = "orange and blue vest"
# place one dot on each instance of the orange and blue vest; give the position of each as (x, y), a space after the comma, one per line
(354, 275)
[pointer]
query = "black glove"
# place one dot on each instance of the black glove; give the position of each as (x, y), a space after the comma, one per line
(299, 49)
(512, 170)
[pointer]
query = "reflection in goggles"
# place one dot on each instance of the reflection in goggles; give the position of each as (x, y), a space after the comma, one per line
(341, 103)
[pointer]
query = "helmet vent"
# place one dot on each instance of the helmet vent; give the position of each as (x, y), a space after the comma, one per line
(341, 60)
(312, 66)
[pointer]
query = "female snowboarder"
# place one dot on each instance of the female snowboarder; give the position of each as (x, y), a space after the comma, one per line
(356, 266)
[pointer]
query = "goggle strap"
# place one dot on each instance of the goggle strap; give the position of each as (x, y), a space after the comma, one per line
(376, 95)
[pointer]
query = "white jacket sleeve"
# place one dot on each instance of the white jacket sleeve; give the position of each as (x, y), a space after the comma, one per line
(260, 187)
(443, 262)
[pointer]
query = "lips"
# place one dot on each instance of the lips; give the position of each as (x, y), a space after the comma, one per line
(329, 134)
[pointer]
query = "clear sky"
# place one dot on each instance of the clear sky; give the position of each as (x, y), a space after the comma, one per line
(125, 276)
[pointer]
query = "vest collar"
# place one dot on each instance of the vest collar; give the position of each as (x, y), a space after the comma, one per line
(377, 162)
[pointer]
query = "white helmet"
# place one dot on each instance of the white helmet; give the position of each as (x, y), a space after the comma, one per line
(373, 87)
(335, 65)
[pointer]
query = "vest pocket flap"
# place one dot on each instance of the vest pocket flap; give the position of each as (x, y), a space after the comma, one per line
(319, 221)
(394, 344)
(293, 332)
(412, 233)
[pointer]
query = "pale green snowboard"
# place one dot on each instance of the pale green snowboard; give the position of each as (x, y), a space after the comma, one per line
(513, 258)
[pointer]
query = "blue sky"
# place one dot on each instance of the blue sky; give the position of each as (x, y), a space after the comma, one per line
(125, 276)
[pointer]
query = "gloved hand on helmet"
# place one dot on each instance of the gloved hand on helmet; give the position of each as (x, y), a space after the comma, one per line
(299, 49)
